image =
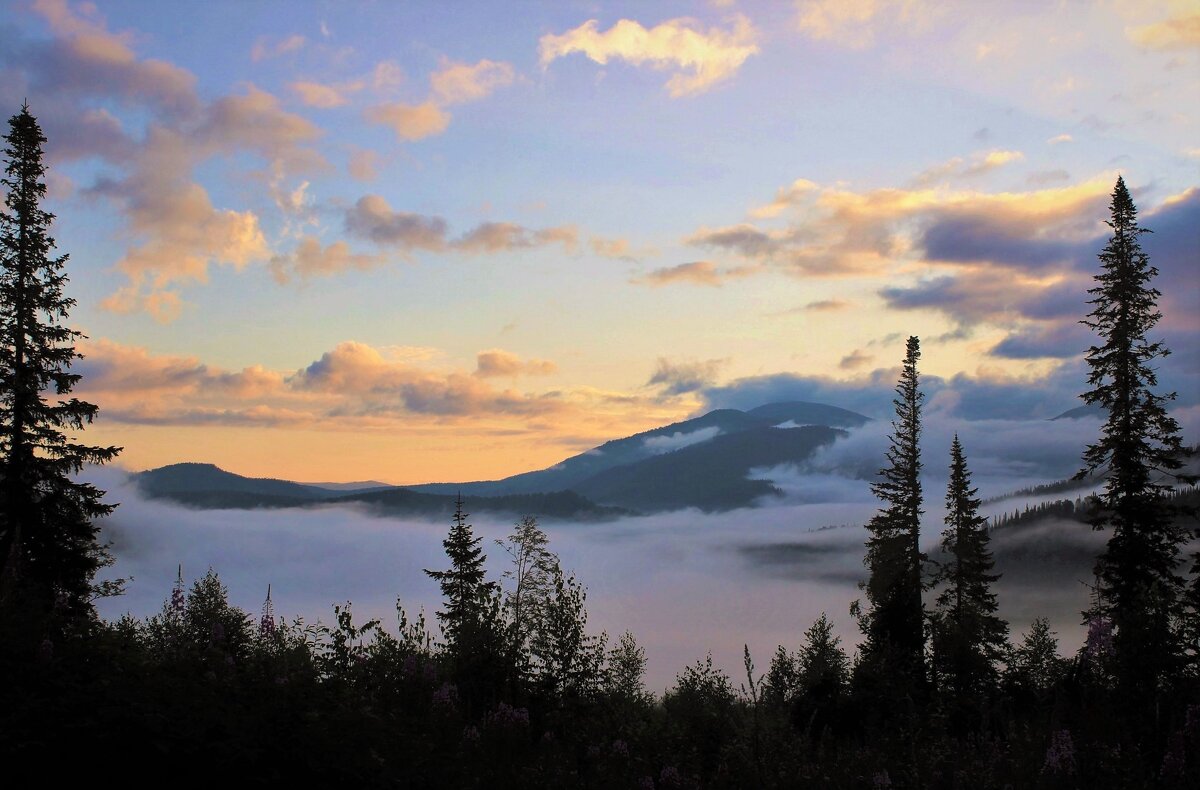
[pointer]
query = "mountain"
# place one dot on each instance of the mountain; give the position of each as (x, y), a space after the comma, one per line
(1081, 412)
(196, 483)
(711, 475)
(574, 471)
(704, 462)
(209, 487)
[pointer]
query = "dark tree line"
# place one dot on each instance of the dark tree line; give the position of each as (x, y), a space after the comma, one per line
(513, 690)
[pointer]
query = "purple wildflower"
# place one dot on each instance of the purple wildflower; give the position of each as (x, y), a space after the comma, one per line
(621, 748)
(1060, 757)
(507, 717)
(646, 783)
(669, 777)
(881, 780)
(471, 733)
(446, 696)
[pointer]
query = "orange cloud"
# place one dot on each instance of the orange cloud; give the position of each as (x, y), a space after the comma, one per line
(410, 121)
(264, 49)
(701, 59)
(695, 273)
(455, 83)
(1177, 32)
(311, 258)
(498, 362)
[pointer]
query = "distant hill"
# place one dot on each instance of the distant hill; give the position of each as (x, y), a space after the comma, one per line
(711, 475)
(1081, 412)
(209, 487)
(703, 462)
(576, 470)
(200, 482)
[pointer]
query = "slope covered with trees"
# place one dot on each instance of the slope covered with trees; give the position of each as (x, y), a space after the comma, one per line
(514, 690)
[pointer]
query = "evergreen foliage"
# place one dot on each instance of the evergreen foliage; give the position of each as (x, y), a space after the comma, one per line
(1139, 451)
(49, 548)
(470, 619)
(894, 651)
(968, 637)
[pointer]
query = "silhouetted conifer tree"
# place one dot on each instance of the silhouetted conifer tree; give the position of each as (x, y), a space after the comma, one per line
(967, 636)
(1139, 451)
(470, 619)
(823, 671)
(48, 535)
(894, 625)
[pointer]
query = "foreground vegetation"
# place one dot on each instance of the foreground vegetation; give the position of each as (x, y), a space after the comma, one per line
(513, 691)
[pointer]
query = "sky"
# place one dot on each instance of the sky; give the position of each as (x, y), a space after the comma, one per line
(419, 242)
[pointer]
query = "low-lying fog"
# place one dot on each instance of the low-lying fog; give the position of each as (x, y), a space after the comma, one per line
(684, 583)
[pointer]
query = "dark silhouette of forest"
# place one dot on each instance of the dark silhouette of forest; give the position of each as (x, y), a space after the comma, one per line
(510, 688)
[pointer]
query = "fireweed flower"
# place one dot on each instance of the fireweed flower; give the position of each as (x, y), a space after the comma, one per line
(446, 696)
(1060, 756)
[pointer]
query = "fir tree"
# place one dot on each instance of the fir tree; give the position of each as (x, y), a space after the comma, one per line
(894, 624)
(470, 617)
(1139, 452)
(48, 536)
(968, 637)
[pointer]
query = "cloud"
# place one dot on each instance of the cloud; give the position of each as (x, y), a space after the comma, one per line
(455, 83)
(364, 164)
(410, 121)
(372, 219)
(1059, 139)
(677, 378)
(85, 60)
(323, 97)
(853, 23)
(669, 443)
(959, 168)
(610, 248)
(172, 230)
(498, 362)
(503, 236)
(311, 259)
(744, 239)
(1177, 32)
(785, 197)
(696, 272)
(827, 306)
(265, 49)
(699, 59)
(856, 359)
(1056, 341)
(353, 384)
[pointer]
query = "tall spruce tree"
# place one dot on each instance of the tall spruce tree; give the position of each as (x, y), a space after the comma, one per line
(48, 533)
(1139, 452)
(895, 623)
(967, 636)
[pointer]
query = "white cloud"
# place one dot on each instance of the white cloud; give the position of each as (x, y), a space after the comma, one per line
(699, 58)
